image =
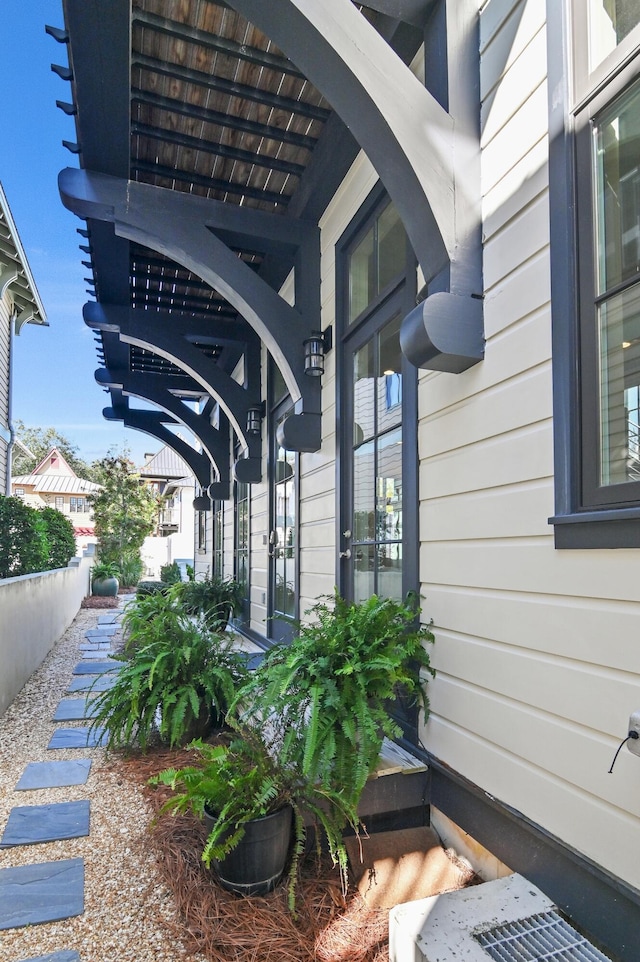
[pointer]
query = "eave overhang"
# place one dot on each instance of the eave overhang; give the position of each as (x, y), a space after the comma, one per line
(15, 273)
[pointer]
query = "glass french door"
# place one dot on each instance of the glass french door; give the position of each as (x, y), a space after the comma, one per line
(283, 534)
(372, 518)
(241, 567)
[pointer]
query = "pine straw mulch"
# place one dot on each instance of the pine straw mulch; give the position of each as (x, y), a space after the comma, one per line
(228, 928)
(97, 601)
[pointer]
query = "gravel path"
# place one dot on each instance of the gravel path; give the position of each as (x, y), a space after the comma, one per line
(126, 904)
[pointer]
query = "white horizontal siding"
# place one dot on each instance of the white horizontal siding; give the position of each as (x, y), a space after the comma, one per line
(575, 627)
(536, 649)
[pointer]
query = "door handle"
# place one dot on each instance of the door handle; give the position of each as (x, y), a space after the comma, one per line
(346, 553)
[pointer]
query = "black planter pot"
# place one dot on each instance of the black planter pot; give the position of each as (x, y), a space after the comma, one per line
(105, 587)
(256, 864)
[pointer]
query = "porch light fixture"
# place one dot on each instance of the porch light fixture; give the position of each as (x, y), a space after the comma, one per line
(315, 349)
(254, 420)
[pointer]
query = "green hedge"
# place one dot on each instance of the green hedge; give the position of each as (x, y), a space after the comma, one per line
(62, 541)
(24, 545)
(33, 540)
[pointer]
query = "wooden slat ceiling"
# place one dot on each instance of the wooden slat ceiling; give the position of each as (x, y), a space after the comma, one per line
(218, 111)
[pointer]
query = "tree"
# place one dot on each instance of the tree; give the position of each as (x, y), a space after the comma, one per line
(40, 441)
(62, 542)
(24, 547)
(124, 510)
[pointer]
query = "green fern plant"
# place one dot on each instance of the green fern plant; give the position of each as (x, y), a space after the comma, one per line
(175, 674)
(214, 598)
(244, 780)
(327, 694)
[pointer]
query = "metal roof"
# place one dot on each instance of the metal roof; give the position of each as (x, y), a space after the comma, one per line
(165, 464)
(56, 483)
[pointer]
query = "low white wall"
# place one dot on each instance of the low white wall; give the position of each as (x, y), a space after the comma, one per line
(35, 611)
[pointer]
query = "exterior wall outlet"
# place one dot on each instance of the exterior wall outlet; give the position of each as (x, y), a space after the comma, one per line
(634, 726)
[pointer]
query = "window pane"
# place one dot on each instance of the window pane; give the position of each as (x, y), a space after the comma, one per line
(390, 571)
(364, 492)
(362, 278)
(389, 385)
(364, 572)
(618, 190)
(619, 335)
(363, 394)
(392, 246)
(389, 488)
(279, 388)
(610, 21)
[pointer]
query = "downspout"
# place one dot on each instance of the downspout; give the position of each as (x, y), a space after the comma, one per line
(12, 433)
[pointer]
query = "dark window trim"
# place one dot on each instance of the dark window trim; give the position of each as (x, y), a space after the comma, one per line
(245, 617)
(276, 406)
(576, 524)
(346, 332)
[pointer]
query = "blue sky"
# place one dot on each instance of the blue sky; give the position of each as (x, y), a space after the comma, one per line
(54, 367)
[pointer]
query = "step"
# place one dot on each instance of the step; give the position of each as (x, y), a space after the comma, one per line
(404, 865)
(397, 792)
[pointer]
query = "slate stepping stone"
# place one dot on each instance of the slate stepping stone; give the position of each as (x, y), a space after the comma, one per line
(45, 892)
(103, 631)
(54, 774)
(74, 709)
(32, 824)
(94, 682)
(96, 667)
(77, 738)
(106, 620)
(64, 956)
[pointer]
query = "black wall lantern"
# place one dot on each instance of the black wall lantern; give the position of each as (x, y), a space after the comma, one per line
(254, 419)
(315, 349)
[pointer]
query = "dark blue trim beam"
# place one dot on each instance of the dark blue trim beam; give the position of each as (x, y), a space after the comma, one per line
(141, 328)
(186, 228)
(414, 12)
(426, 151)
(152, 423)
(216, 443)
(404, 131)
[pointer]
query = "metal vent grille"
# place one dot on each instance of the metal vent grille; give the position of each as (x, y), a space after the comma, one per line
(539, 938)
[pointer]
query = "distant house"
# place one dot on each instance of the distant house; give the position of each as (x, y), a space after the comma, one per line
(172, 478)
(19, 304)
(55, 484)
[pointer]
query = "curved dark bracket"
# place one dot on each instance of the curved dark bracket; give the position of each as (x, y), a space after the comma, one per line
(426, 156)
(248, 470)
(150, 422)
(296, 433)
(219, 491)
(183, 227)
(404, 131)
(136, 327)
(444, 333)
(215, 442)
